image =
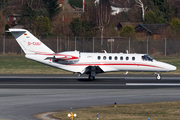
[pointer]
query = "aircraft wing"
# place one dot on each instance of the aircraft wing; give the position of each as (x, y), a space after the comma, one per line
(90, 69)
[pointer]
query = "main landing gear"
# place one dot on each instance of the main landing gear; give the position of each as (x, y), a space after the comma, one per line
(91, 77)
(158, 76)
(92, 73)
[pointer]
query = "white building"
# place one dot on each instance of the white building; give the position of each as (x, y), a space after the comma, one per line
(115, 10)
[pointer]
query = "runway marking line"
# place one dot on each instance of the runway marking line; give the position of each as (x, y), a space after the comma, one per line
(153, 84)
(121, 84)
(75, 77)
(62, 84)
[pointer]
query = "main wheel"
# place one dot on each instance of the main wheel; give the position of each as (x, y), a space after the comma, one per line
(91, 77)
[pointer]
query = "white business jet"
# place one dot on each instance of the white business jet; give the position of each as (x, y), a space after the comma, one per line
(87, 63)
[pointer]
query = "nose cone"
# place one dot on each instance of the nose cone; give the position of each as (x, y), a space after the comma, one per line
(171, 67)
(166, 67)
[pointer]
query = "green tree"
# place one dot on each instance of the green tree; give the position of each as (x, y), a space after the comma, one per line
(174, 27)
(162, 9)
(53, 7)
(151, 17)
(161, 4)
(83, 28)
(28, 17)
(127, 31)
(76, 27)
(112, 30)
(89, 29)
(42, 25)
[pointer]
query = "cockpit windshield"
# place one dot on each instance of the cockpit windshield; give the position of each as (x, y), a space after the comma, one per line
(147, 58)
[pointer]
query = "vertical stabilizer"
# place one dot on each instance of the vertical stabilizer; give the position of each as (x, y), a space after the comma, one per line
(29, 43)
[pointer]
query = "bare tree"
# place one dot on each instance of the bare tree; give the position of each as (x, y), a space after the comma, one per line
(103, 12)
(4, 5)
(2, 21)
(141, 5)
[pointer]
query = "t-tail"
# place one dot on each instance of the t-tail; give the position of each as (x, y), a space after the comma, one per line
(29, 43)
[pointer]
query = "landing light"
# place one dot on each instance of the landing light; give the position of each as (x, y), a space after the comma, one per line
(69, 115)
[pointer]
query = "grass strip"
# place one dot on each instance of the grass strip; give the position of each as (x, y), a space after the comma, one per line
(21, 65)
(154, 111)
(18, 64)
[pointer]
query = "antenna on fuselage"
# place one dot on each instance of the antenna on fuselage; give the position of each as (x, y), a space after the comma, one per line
(104, 51)
(127, 51)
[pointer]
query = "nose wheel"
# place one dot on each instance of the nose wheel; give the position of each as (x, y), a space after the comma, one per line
(158, 76)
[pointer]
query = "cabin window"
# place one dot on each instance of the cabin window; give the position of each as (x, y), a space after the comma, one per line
(104, 58)
(115, 58)
(133, 58)
(99, 57)
(121, 58)
(127, 58)
(110, 58)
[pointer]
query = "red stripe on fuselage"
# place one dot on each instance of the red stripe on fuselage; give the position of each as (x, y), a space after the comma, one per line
(97, 64)
(108, 64)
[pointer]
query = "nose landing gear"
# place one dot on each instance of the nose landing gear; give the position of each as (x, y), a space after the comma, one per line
(158, 76)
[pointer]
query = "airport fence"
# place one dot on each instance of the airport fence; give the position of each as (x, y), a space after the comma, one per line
(163, 47)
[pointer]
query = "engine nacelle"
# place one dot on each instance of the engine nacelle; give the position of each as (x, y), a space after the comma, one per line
(69, 56)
